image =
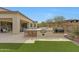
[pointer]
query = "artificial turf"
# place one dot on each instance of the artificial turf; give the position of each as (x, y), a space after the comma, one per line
(40, 46)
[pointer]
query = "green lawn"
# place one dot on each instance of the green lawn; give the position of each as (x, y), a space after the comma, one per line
(40, 46)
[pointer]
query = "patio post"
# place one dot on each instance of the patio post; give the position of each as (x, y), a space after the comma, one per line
(28, 25)
(16, 25)
(36, 25)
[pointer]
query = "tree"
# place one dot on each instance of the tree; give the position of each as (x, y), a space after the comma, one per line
(59, 20)
(49, 21)
(42, 24)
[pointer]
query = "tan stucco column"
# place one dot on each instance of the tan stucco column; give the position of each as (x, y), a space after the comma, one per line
(32, 25)
(28, 25)
(16, 25)
(36, 25)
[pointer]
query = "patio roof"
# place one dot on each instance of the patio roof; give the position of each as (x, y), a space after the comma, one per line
(3, 10)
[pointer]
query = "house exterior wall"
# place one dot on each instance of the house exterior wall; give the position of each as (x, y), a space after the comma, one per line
(16, 21)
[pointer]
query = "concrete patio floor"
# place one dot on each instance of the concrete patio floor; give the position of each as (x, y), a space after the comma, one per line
(14, 38)
(19, 38)
(50, 36)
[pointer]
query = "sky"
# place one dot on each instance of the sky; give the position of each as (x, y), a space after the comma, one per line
(43, 13)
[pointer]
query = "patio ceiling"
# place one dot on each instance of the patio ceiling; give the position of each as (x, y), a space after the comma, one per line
(6, 19)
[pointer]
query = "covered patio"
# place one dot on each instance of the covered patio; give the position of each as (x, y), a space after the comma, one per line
(6, 25)
(14, 21)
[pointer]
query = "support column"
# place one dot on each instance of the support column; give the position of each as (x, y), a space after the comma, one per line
(16, 25)
(32, 25)
(36, 25)
(28, 25)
